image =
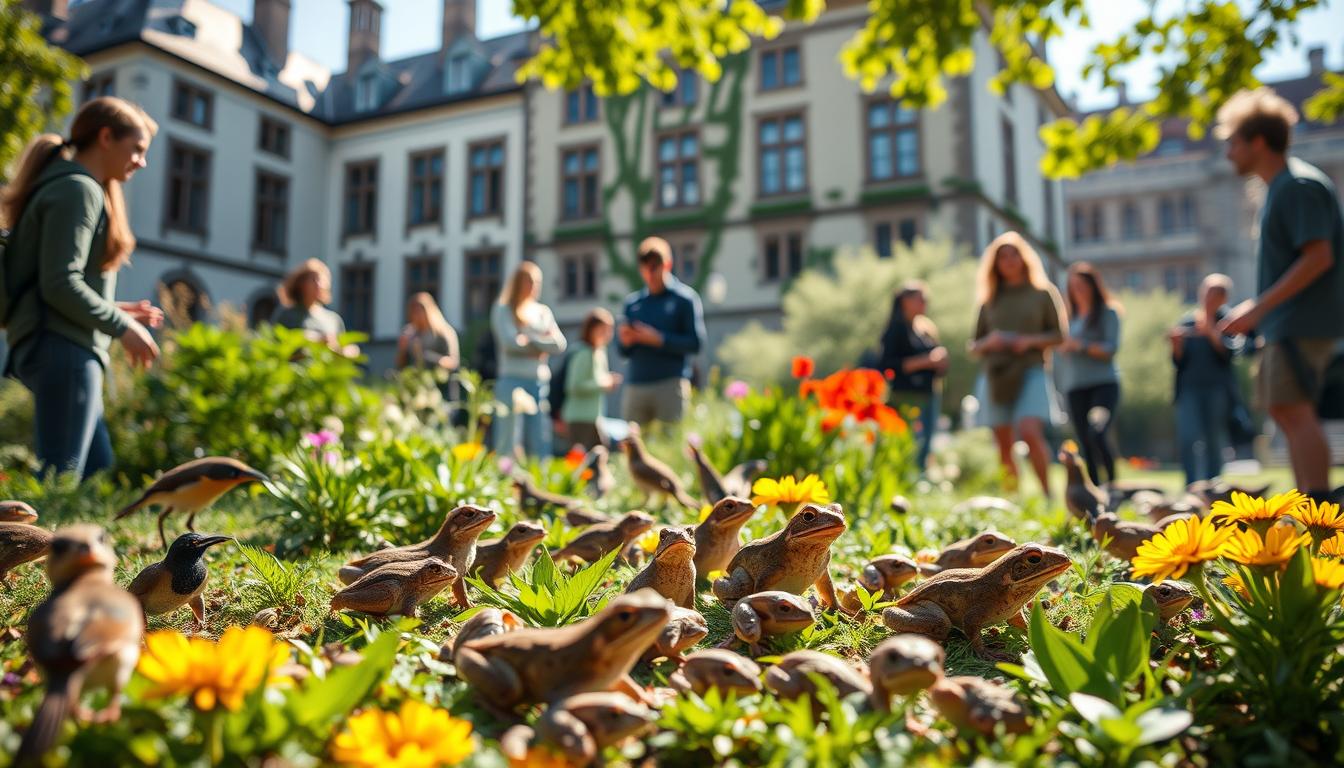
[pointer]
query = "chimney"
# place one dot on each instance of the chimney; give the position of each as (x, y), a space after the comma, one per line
(459, 20)
(270, 20)
(56, 9)
(1122, 88)
(1316, 58)
(366, 21)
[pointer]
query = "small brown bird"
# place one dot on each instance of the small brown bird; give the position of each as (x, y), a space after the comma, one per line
(396, 588)
(671, 572)
(1084, 500)
(596, 542)
(178, 579)
(454, 543)
(535, 500)
(653, 476)
(581, 517)
(192, 487)
(602, 482)
(1219, 489)
(85, 635)
(21, 543)
(17, 512)
(496, 558)
(739, 479)
(711, 483)
(1122, 537)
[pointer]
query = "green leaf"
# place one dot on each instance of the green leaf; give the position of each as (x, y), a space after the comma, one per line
(1162, 724)
(1062, 658)
(343, 689)
(1120, 640)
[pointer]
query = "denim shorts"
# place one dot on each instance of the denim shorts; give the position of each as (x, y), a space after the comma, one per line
(1035, 401)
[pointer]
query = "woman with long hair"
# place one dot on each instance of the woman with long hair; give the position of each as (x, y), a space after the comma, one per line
(525, 336)
(1091, 381)
(70, 234)
(915, 362)
(304, 295)
(1020, 319)
(588, 379)
(429, 342)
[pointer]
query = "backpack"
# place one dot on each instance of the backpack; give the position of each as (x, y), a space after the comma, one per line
(9, 294)
(556, 397)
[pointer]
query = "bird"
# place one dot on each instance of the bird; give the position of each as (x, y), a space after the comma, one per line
(711, 483)
(21, 543)
(17, 512)
(602, 482)
(739, 479)
(178, 579)
(85, 635)
(651, 475)
(192, 487)
(535, 499)
(581, 517)
(1084, 500)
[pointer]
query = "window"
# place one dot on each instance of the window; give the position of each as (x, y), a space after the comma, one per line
(687, 91)
(263, 308)
(270, 227)
(580, 191)
(422, 274)
(685, 264)
(1186, 220)
(781, 68)
(1009, 163)
(579, 278)
(909, 230)
(581, 105)
(893, 141)
(884, 234)
(783, 155)
(1098, 228)
(188, 188)
(1134, 280)
(425, 194)
(193, 105)
(101, 84)
(783, 256)
(273, 137)
(1170, 280)
(1192, 281)
(882, 240)
(459, 73)
(1087, 223)
(1166, 216)
(1132, 226)
(486, 178)
(679, 169)
(482, 283)
(357, 296)
(366, 92)
(361, 198)
(1049, 187)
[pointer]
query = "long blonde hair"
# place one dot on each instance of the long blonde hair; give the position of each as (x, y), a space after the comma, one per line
(517, 292)
(432, 312)
(118, 115)
(288, 290)
(987, 276)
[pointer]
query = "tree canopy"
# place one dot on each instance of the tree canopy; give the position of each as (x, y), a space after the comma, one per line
(1207, 50)
(36, 81)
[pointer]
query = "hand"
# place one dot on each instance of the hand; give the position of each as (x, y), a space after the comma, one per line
(1242, 320)
(1071, 345)
(647, 334)
(1021, 344)
(139, 345)
(626, 332)
(522, 340)
(937, 355)
(614, 381)
(143, 312)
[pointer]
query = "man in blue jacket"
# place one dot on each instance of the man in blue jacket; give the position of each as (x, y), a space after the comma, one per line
(662, 328)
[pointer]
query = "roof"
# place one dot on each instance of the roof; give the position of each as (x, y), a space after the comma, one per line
(218, 41)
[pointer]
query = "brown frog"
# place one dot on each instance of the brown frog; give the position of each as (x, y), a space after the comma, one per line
(686, 628)
(579, 728)
(970, 599)
(887, 574)
(789, 560)
(582, 517)
(978, 704)
(973, 552)
(902, 665)
(1122, 537)
(719, 669)
(599, 540)
(497, 558)
(1170, 598)
(716, 537)
(21, 543)
(767, 614)
(454, 543)
(487, 622)
(671, 572)
(535, 665)
(791, 678)
(396, 588)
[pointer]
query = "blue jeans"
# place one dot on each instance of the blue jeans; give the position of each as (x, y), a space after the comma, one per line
(1201, 428)
(533, 429)
(67, 385)
(930, 406)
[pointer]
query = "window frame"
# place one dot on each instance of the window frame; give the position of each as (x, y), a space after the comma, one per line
(258, 218)
(351, 317)
(893, 131)
(783, 237)
(493, 285)
(181, 86)
(499, 183)
(778, 51)
(428, 154)
(433, 287)
(587, 98)
(168, 223)
(679, 164)
(587, 269)
(581, 150)
(98, 82)
(278, 128)
(782, 146)
(676, 98)
(365, 187)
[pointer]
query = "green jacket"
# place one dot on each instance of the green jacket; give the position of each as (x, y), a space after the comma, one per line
(60, 238)
(583, 391)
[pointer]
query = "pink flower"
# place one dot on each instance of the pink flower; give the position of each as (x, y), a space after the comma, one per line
(736, 389)
(695, 439)
(320, 439)
(331, 458)
(505, 465)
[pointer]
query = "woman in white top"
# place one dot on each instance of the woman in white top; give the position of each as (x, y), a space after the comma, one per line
(525, 336)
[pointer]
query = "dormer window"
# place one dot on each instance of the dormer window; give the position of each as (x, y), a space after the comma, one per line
(366, 92)
(459, 73)
(178, 25)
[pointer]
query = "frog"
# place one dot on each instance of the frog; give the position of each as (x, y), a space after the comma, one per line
(579, 728)
(973, 552)
(1122, 537)
(970, 599)
(497, 558)
(978, 704)
(883, 576)
(902, 665)
(671, 572)
(485, 623)
(716, 537)
(767, 614)
(1170, 598)
(398, 588)
(454, 543)
(789, 560)
(599, 540)
(686, 628)
(718, 669)
(547, 664)
(791, 678)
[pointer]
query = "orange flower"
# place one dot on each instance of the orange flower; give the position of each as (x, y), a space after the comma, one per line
(574, 458)
(860, 393)
(803, 367)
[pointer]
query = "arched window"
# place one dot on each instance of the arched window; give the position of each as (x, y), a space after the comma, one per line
(183, 298)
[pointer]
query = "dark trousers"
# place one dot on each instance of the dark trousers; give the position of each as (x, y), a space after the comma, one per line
(67, 385)
(1092, 411)
(1201, 428)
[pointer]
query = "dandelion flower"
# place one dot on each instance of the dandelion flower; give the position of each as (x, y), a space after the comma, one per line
(1328, 573)
(1333, 546)
(1252, 509)
(788, 490)
(222, 673)
(717, 573)
(649, 541)
(1323, 519)
(704, 512)
(467, 451)
(1277, 547)
(1184, 543)
(415, 736)
(1233, 581)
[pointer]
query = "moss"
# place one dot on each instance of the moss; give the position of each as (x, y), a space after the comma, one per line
(895, 194)
(781, 208)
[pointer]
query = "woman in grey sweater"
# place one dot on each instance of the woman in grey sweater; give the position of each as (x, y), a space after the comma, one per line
(525, 336)
(1087, 368)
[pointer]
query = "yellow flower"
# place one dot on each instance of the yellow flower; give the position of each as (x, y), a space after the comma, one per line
(467, 451)
(415, 736)
(1328, 573)
(1333, 546)
(222, 673)
(1249, 509)
(1279, 544)
(717, 573)
(704, 512)
(787, 490)
(1234, 581)
(1184, 543)
(649, 541)
(540, 757)
(1321, 518)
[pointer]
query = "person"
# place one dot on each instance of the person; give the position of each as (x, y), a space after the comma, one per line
(1020, 318)
(916, 362)
(304, 296)
(1087, 364)
(70, 236)
(429, 342)
(1300, 285)
(662, 328)
(525, 335)
(1205, 384)
(588, 379)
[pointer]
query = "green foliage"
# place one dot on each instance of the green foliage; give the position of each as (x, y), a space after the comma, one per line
(275, 583)
(329, 501)
(1328, 103)
(1116, 734)
(546, 596)
(36, 81)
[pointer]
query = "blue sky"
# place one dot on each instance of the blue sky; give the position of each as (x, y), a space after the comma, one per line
(412, 26)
